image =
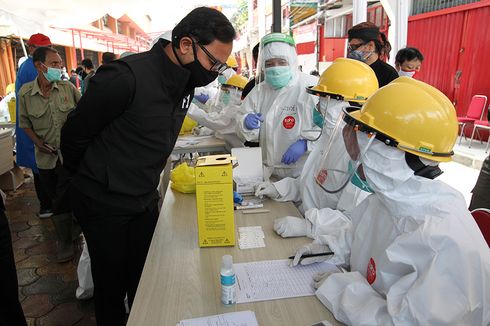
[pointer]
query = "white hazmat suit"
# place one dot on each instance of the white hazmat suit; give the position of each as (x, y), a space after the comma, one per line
(415, 253)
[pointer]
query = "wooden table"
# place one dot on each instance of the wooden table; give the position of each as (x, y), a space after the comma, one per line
(181, 280)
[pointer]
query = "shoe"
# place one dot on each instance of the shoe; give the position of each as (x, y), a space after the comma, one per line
(64, 246)
(45, 213)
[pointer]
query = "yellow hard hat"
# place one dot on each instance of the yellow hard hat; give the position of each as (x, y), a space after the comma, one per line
(413, 116)
(231, 62)
(237, 81)
(348, 80)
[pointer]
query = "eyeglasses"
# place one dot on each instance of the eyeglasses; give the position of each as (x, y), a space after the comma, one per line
(217, 66)
(353, 47)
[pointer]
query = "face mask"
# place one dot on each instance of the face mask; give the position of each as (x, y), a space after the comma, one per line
(221, 79)
(358, 182)
(53, 74)
(358, 55)
(200, 76)
(278, 77)
(317, 118)
(409, 73)
(225, 98)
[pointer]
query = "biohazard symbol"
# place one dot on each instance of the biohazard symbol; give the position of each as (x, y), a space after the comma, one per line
(226, 240)
(205, 241)
(201, 175)
(224, 174)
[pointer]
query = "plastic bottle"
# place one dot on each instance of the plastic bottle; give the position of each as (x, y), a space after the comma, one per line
(227, 275)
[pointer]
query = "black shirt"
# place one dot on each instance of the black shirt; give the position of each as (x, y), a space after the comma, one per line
(118, 139)
(384, 72)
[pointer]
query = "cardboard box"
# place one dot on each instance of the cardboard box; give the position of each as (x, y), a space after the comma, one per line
(249, 172)
(214, 198)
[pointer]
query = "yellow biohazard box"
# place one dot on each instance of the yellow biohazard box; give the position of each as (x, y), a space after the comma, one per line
(214, 197)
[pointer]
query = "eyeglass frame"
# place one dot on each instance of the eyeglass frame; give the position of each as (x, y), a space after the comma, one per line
(217, 66)
(354, 47)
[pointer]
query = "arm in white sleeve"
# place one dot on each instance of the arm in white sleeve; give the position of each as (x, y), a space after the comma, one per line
(326, 221)
(288, 189)
(210, 120)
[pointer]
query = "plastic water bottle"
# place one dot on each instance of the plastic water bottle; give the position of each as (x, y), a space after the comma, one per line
(228, 287)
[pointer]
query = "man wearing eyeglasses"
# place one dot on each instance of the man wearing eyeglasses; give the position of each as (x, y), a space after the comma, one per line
(117, 142)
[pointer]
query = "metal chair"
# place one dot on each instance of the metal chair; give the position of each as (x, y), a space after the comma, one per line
(482, 218)
(480, 124)
(475, 112)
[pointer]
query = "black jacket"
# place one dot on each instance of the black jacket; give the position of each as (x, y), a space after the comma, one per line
(118, 139)
(384, 72)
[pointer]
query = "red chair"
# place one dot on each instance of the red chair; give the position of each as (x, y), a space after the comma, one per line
(482, 218)
(475, 112)
(481, 124)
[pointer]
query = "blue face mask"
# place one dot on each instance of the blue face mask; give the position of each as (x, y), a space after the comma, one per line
(357, 181)
(53, 74)
(317, 118)
(221, 79)
(278, 77)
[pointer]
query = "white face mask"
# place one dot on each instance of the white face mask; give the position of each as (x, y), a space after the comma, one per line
(410, 73)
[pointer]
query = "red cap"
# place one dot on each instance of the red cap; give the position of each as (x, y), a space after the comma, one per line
(39, 40)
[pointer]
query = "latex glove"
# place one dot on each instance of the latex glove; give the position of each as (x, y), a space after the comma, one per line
(319, 278)
(266, 189)
(253, 120)
(294, 152)
(290, 226)
(237, 198)
(309, 249)
(203, 98)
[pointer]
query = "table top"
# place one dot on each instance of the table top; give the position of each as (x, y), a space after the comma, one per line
(181, 280)
(9, 125)
(201, 144)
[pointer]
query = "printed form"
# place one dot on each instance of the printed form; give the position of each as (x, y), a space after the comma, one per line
(275, 279)
(239, 318)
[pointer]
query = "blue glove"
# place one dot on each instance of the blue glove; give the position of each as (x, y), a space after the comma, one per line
(203, 98)
(237, 198)
(294, 152)
(253, 120)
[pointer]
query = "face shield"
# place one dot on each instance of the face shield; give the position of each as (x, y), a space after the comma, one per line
(228, 95)
(278, 64)
(341, 161)
(324, 116)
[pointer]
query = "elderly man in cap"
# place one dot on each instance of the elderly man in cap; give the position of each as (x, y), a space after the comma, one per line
(25, 148)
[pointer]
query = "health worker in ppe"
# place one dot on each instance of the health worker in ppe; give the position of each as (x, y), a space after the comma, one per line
(344, 81)
(221, 116)
(415, 253)
(279, 108)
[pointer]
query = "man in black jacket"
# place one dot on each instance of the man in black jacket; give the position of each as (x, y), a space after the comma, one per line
(118, 139)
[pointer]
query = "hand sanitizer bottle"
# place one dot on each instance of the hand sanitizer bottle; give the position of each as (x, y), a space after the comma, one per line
(228, 287)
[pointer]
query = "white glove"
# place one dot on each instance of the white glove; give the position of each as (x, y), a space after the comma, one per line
(319, 278)
(266, 189)
(311, 249)
(290, 226)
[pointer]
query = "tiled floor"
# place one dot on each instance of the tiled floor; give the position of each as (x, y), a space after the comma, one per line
(46, 288)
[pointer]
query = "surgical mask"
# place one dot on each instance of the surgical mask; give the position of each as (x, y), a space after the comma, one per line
(278, 77)
(357, 181)
(225, 98)
(358, 55)
(409, 73)
(53, 74)
(221, 79)
(317, 118)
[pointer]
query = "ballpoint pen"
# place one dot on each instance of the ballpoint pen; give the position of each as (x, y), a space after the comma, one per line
(314, 255)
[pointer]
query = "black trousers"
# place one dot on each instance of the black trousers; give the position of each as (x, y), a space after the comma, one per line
(481, 191)
(55, 183)
(11, 312)
(118, 243)
(42, 195)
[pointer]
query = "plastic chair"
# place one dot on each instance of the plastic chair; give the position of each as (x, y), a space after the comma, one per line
(482, 218)
(480, 124)
(475, 112)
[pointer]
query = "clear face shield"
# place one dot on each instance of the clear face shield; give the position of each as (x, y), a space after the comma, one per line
(341, 161)
(324, 116)
(228, 95)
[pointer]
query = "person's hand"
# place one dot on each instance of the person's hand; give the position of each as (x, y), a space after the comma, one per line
(237, 198)
(203, 98)
(253, 120)
(319, 278)
(290, 226)
(311, 249)
(294, 152)
(45, 148)
(266, 189)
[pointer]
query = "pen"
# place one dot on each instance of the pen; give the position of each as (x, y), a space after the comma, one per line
(314, 255)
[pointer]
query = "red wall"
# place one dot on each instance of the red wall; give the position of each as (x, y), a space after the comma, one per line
(455, 42)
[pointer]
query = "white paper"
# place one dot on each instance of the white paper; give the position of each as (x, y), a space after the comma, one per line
(251, 237)
(275, 279)
(240, 318)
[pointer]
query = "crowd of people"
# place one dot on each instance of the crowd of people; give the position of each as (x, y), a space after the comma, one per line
(356, 149)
